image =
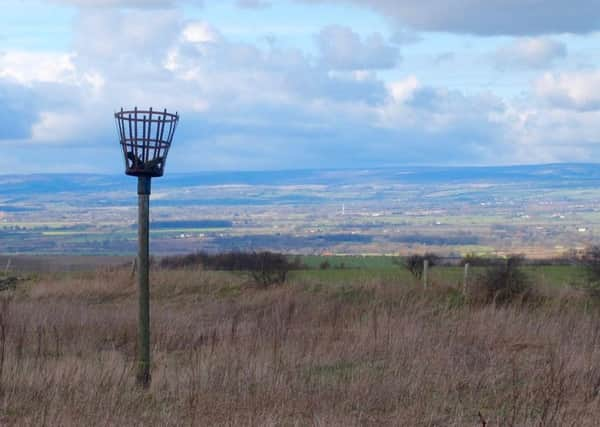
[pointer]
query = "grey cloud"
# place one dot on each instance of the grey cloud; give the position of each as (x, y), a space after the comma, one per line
(343, 49)
(302, 138)
(433, 126)
(489, 17)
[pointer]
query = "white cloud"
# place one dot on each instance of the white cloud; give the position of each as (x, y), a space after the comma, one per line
(27, 67)
(558, 121)
(529, 52)
(200, 32)
(434, 124)
(402, 90)
(570, 90)
(343, 49)
(245, 106)
(546, 134)
(58, 127)
(232, 74)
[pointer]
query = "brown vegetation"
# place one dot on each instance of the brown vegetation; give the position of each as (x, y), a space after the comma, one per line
(266, 268)
(300, 354)
(503, 282)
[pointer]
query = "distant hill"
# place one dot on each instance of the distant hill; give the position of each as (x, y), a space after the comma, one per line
(559, 175)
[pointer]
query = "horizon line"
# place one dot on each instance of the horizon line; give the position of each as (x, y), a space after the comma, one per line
(428, 166)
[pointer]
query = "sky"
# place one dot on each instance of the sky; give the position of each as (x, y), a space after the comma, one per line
(301, 84)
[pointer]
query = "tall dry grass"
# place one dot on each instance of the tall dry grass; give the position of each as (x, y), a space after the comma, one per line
(302, 354)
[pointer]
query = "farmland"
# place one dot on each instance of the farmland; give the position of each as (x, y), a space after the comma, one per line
(541, 211)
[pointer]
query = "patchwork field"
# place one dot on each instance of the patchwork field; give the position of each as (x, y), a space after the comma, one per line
(541, 211)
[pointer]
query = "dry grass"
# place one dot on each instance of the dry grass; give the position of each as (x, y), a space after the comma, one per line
(302, 354)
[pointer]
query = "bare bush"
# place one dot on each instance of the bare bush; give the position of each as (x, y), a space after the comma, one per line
(415, 263)
(269, 268)
(503, 282)
(266, 268)
(590, 259)
(475, 260)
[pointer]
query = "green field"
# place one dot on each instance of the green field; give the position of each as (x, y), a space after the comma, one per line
(384, 269)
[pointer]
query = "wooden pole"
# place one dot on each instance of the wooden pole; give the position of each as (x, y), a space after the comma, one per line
(7, 267)
(425, 270)
(465, 279)
(143, 270)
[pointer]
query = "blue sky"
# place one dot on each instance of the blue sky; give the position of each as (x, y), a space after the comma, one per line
(302, 83)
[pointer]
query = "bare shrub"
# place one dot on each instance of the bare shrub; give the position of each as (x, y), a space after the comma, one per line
(590, 259)
(502, 282)
(475, 260)
(266, 268)
(414, 263)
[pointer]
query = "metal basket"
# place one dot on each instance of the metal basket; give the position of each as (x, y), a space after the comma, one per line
(145, 137)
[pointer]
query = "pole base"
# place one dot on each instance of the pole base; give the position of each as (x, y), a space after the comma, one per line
(143, 377)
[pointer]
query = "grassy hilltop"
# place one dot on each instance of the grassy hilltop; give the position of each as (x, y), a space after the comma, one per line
(325, 348)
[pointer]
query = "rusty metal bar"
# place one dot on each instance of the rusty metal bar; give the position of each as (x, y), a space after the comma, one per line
(165, 113)
(144, 142)
(135, 130)
(131, 162)
(148, 133)
(158, 135)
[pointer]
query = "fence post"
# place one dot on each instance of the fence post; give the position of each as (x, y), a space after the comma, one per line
(7, 267)
(133, 267)
(465, 279)
(425, 270)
